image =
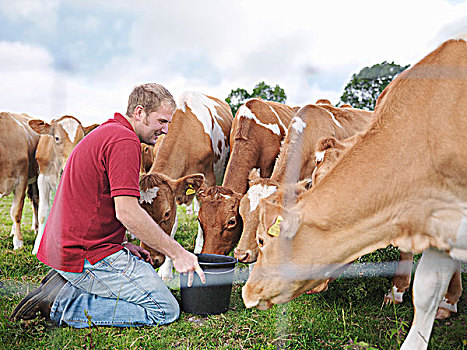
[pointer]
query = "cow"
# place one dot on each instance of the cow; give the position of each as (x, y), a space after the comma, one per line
(403, 182)
(57, 139)
(18, 168)
(295, 162)
(159, 197)
(328, 151)
(197, 142)
(257, 132)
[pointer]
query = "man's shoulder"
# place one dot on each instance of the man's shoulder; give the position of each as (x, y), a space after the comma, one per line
(115, 130)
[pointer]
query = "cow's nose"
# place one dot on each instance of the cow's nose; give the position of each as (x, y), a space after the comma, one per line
(242, 257)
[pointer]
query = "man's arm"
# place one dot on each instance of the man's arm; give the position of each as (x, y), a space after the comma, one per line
(139, 223)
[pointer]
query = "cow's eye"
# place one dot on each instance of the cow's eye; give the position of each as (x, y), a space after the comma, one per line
(260, 242)
(232, 222)
(57, 139)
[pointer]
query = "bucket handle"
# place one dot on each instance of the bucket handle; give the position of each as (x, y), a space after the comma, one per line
(221, 273)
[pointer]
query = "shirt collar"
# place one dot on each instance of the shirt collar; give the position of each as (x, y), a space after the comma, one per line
(121, 119)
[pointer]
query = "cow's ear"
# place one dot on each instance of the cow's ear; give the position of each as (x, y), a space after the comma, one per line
(88, 129)
(269, 218)
(41, 127)
(275, 220)
(254, 174)
(302, 186)
(186, 187)
(325, 143)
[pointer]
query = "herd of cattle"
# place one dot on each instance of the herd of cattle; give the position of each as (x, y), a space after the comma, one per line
(304, 191)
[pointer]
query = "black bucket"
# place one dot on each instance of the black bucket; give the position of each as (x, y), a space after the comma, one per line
(213, 297)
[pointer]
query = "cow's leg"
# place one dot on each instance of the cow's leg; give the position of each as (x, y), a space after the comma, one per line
(16, 212)
(165, 271)
(44, 207)
(430, 284)
(33, 194)
(449, 303)
(193, 208)
(401, 279)
(199, 240)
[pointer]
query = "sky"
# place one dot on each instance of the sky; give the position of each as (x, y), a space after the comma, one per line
(83, 57)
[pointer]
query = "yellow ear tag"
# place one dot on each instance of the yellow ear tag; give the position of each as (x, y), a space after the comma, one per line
(190, 190)
(275, 229)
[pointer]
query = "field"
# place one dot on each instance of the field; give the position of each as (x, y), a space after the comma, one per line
(349, 315)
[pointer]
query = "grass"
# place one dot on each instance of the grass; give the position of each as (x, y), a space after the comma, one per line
(347, 316)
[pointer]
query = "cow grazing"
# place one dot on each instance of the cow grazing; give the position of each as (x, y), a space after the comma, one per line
(159, 197)
(18, 168)
(403, 182)
(296, 161)
(328, 151)
(56, 142)
(257, 132)
(197, 142)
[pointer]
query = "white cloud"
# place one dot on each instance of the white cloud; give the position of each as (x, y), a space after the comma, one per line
(42, 13)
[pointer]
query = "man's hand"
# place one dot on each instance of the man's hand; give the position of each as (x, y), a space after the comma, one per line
(188, 262)
(139, 252)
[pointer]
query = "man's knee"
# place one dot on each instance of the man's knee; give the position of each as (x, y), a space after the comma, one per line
(172, 312)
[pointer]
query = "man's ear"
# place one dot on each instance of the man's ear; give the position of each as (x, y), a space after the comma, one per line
(41, 127)
(137, 112)
(186, 187)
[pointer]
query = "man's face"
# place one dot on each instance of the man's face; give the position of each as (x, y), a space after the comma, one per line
(149, 126)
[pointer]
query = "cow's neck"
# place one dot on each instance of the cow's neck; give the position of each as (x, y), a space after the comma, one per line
(243, 159)
(364, 201)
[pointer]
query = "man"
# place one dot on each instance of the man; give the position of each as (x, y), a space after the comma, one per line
(99, 278)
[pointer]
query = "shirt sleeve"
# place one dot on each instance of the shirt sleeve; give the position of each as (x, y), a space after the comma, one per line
(123, 163)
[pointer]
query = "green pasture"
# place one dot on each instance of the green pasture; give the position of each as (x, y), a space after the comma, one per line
(349, 315)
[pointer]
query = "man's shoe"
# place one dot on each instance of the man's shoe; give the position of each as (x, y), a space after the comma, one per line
(40, 299)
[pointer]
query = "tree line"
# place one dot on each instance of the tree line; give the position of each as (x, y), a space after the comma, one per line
(361, 91)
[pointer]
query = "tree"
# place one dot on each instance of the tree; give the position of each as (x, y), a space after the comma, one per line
(364, 88)
(237, 97)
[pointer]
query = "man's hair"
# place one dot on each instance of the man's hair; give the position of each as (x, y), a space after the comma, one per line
(151, 96)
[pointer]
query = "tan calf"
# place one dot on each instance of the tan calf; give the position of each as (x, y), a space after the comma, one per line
(18, 167)
(404, 182)
(257, 132)
(57, 141)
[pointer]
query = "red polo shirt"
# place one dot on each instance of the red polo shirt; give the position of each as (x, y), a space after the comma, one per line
(82, 223)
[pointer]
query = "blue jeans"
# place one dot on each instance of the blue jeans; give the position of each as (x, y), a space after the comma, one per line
(120, 290)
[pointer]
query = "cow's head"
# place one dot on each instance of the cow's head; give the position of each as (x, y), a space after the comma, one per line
(279, 276)
(65, 133)
(219, 219)
(247, 248)
(158, 198)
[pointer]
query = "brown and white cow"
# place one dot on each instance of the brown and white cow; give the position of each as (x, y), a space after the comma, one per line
(328, 151)
(159, 197)
(18, 167)
(56, 142)
(404, 182)
(296, 161)
(257, 132)
(197, 142)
